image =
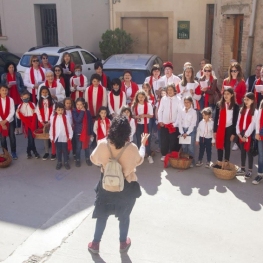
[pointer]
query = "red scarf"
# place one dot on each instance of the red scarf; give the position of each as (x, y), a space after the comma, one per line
(33, 81)
(151, 81)
(241, 122)
(104, 80)
(93, 111)
(64, 118)
(112, 99)
(29, 122)
(152, 98)
(220, 135)
(258, 82)
(42, 113)
(100, 134)
(170, 127)
(71, 67)
(134, 88)
(261, 124)
(206, 94)
(5, 115)
(13, 92)
(145, 111)
(81, 80)
(54, 84)
(48, 65)
(84, 137)
(62, 82)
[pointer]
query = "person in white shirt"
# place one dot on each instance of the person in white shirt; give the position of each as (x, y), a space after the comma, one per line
(169, 108)
(61, 134)
(34, 76)
(187, 126)
(244, 128)
(116, 98)
(169, 77)
(153, 81)
(56, 89)
(7, 123)
(205, 137)
(26, 113)
(126, 111)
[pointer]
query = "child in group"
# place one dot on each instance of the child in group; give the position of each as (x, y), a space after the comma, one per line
(205, 137)
(7, 123)
(168, 112)
(60, 134)
(116, 98)
(126, 110)
(26, 113)
(187, 126)
(259, 138)
(82, 130)
(78, 83)
(102, 124)
(44, 110)
(245, 128)
(225, 125)
(143, 112)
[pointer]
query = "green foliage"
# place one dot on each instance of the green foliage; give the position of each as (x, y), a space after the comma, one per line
(115, 42)
(3, 48)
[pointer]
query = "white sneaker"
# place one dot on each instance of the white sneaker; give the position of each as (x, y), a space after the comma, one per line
(235, 147)
(163, 157)
(150, 159)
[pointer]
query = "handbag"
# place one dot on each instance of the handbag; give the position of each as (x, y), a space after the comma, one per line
(254, 147)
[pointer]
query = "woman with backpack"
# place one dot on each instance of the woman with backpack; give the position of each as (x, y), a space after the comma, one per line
(116, 198)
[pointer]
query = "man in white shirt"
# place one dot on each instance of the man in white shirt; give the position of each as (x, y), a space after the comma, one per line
(169, 77)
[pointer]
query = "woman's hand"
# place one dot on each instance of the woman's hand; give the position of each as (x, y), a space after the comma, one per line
(196, 143)
(184, 135)
(192, 92)
(257, 137)
(36, 86)
(161, 124)
(144, 139)
(215, 135)
(232, 137)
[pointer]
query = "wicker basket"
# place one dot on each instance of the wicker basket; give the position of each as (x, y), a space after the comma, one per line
(7, 157)
(41, 134)
(227, 173)
(183, 162)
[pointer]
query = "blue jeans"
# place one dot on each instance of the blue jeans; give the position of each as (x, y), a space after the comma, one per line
(260, 157)
(62, 149)
(78, 145)
(12, 138)
(205, 145)
(190, 148)
(30, 142)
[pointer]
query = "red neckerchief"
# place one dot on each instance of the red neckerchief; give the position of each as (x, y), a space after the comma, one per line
(258, 82)
(81, 80)
(64, 118)
(32, 78)
(104, 80)
(84, 137)
(13, 92)
(134, 88)
(71, 66)
(209, 87)
(54, 84)
(220, 134)
(177, 89)
(42, 113)
(100, 133)
(241, 122)
(112, 99)
(48, 65)
(152, 98)
(151, 80)
(99, 100)
(145, 111)
(29, 122)
(170, 127)
(62, 82)
(261, 124)
(5, 115)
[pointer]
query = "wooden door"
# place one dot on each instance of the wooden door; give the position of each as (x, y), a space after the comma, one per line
(238, 34)
(209, 31)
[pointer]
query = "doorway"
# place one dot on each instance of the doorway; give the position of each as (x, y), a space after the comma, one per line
(209, 30)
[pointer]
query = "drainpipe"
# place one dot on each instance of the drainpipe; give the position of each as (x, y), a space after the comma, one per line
(251, 39)
(111, 14)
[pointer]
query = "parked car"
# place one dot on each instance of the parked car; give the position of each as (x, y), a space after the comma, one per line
(79, 55)
(139, 64)
(6, 57)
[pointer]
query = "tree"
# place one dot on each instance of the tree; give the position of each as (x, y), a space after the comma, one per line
(115, 41)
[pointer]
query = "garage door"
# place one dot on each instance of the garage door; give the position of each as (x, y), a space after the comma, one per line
(150, 35)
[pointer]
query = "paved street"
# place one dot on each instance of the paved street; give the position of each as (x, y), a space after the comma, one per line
(183, 216)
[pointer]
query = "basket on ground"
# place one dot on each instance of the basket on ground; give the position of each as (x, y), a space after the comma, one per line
(227, 172)
(183, 162)
(41, 134)
(5, 159)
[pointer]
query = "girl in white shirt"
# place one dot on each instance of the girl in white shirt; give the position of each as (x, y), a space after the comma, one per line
(60, 134)
(143, 112)
(244, 128)
(126, 110)
(187, 126)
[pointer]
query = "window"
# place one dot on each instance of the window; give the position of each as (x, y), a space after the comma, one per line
(11, 57)
(76, 57)
(88, 57)
(25, 61)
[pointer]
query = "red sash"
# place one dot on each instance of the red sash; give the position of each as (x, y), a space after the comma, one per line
(29, 122)
(220, 135)
(71, 67)
(5, 115)
(261, 124)
(13, 92)
(54, 84)
(93, 111)
(206, 94)
(104, 80)
(258, 82)
(134, 88)
(84, 137)
(145, 111)
(170, 127)
(64, 118)
(112, 99)
(42, 113)
(249, 119)
(151, 81)
(100, 134)
(32, 78)
(62, 82)
(81, 80)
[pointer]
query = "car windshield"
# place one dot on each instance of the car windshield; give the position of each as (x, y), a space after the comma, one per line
(138, 76)
(25, 60)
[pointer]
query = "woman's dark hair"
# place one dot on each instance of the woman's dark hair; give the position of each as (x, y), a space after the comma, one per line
(43, 55)
(7, 64)
(72, 101)
(83, 102)
(155, 67)
(124, 108)
(59, 105)
(221, 103)
(50, 100)
(98, 64)
(251, 96)
(119, 132)
(116, 81)
(95, 76)
(61, 71)
(100, 110)
(127, 71)
(184, 81)
(240, 75)
(25, 93)
(63, 56)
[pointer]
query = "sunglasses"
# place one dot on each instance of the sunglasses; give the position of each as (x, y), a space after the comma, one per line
(35, 60)
(44, 58)
(57, 70)
(235, 71)
(207, 70)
